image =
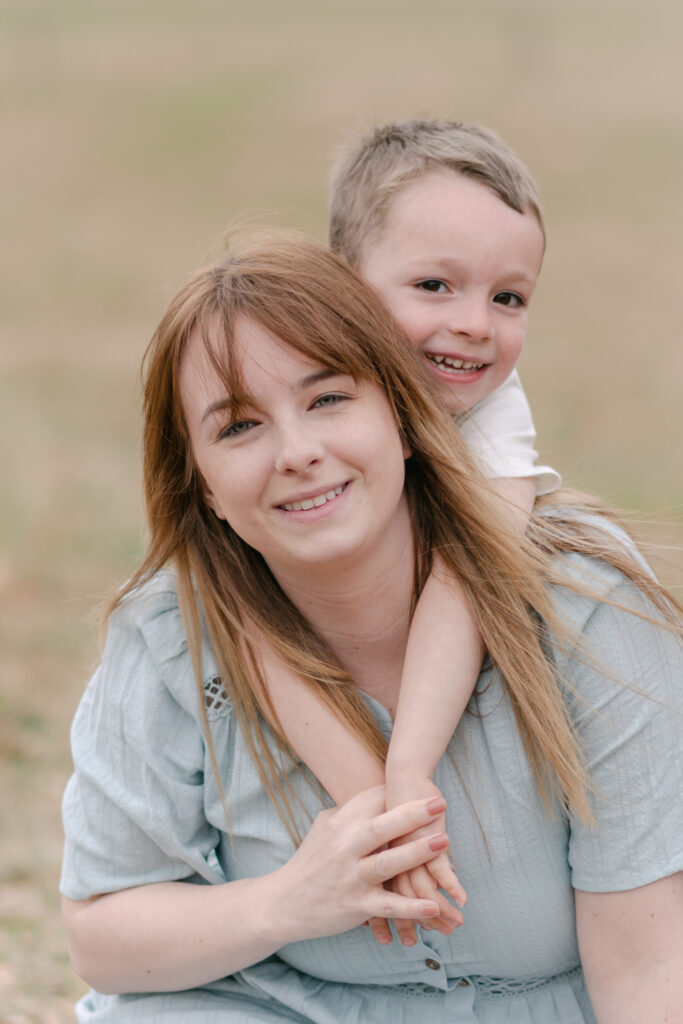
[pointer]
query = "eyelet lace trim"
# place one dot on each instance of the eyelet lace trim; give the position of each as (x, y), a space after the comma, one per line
(215, 695)
(503, 988)
(496, 988)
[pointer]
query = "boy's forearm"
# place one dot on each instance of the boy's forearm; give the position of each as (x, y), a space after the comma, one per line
(443, 661)
(340, 762)
(442, 664)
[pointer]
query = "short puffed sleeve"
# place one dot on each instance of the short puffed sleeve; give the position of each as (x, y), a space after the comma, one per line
(626, 702)
(133, 809)
(500, 434)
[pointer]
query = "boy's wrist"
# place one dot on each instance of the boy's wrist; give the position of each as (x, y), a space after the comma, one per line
(403, 768)
(402, 788)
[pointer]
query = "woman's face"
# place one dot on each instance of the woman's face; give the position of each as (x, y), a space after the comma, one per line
(311, 471)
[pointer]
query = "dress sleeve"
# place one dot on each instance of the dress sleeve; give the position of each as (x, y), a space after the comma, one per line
(134, 808)
(499, 432)
(625, 700)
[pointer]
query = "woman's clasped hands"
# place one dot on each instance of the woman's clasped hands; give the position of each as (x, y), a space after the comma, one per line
(341, 876)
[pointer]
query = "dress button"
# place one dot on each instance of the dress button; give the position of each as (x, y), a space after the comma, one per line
(464, 982)
(433, 965)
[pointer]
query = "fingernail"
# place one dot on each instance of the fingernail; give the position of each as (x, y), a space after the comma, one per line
(438, 842)
(436, 805)
(408, 941)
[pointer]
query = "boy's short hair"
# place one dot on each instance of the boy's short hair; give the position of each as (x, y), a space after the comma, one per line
(371, 170)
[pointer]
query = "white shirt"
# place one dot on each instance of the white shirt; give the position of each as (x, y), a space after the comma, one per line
(499, 431)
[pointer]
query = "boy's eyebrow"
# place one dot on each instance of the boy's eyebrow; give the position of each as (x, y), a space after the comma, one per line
(436, 263)
(305, 382)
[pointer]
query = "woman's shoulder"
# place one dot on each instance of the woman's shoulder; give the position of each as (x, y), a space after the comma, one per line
(594, 569)
(146, 634)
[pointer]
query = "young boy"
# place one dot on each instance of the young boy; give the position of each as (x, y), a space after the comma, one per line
(445, 223)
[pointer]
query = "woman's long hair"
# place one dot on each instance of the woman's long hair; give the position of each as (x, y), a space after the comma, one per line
(313, 301)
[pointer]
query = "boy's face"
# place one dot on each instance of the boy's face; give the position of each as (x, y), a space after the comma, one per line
(457, 268)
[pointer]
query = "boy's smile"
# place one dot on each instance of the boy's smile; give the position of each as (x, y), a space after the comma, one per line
(457, 268)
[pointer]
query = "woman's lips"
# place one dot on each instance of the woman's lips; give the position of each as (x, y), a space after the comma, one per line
(314, 501)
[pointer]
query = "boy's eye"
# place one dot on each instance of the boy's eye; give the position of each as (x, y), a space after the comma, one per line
(236, 429)
(510, 299)
(431, 284)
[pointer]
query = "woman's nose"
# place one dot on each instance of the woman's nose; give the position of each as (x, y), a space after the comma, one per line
(299, 449)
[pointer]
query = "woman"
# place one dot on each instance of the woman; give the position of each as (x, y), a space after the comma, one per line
(274, 379)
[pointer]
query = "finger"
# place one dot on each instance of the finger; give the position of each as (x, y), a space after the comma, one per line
(381, 930)
(384, 828)
(405, 931)
(382, 903)
(445, 877)
(388, 863)
(424, 887)
(402, 884)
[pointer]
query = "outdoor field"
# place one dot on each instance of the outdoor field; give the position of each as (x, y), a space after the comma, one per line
(134, 133)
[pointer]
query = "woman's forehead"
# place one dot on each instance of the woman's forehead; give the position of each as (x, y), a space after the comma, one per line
(252, 362)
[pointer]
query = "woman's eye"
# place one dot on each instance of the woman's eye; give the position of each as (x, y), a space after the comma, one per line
(509, 299)
(326, 400)
(431, 284)
(236, 429)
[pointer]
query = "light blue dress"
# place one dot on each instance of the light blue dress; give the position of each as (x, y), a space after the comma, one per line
(142, 806)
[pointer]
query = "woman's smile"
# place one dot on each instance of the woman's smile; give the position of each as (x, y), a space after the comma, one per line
(306, 503)
(310, 471)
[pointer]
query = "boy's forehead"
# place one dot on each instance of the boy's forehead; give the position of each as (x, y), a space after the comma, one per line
(446, 190)
(444, 214)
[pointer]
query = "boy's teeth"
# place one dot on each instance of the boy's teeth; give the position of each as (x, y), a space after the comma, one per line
(306, 503)
(457, 364)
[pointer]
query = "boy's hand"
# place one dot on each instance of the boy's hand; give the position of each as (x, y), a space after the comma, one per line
(426, 881)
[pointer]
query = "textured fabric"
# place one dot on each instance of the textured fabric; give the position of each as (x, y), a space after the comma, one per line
(500, 434)
(142, 806)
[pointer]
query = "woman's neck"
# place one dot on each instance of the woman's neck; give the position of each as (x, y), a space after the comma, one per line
(363, 612)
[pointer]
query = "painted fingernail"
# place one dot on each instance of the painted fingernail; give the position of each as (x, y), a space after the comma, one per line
(438, 842)
(436, 805)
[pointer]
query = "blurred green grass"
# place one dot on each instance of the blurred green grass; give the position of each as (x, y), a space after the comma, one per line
(133, 136)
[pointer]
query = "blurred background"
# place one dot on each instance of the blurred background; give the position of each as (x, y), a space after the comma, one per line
(133, 134)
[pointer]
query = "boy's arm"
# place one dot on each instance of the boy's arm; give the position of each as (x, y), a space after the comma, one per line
(520, 493)
(442, 664)
(340, 762)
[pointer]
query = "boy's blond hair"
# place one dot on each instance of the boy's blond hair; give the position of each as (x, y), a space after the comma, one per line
(370, 171)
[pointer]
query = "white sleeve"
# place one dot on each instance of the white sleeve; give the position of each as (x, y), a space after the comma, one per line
(500, 434)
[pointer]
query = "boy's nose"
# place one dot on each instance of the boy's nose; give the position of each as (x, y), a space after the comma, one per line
(298, 449)
(471, 319)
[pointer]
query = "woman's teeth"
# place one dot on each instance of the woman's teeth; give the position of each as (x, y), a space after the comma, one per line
(321, 499)
(455, 364)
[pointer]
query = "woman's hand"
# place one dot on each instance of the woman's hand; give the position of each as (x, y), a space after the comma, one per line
(335, 880)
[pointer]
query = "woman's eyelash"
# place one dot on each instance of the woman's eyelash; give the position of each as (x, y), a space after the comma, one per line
(235, 429)
(332, 398)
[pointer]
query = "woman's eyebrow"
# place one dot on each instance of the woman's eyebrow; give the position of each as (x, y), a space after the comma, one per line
(316, 378)
(218, 406)
(305, 382)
